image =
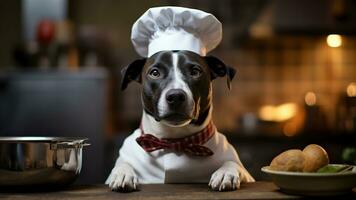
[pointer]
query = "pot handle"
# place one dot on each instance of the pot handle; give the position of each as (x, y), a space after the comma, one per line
(69, 145)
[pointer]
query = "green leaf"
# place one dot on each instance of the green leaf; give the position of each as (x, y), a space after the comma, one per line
(349, 155)
(334, 168)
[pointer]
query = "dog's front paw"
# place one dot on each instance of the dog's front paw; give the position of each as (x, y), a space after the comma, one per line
(123, 179)
(226, 178)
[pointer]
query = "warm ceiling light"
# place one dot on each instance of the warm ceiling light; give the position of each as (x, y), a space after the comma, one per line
(310, 99)
(334, 40)
(351, 90)
(279, 113)
(285, 112)
(267, 113)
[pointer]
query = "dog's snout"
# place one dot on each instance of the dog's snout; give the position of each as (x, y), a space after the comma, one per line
(175, 97)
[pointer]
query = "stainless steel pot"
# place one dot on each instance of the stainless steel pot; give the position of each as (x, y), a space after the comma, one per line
(35, 161)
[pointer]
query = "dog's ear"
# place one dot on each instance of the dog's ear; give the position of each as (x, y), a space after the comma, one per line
(219, 69)
(132, 72)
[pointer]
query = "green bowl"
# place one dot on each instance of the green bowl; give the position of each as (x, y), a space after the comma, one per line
(312, 183)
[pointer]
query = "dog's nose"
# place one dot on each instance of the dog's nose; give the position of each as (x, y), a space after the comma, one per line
(175, 97)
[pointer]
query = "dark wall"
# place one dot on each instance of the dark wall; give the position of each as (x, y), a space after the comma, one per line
(10, 30)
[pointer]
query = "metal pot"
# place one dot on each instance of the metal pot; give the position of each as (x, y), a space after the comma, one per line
(40, 161)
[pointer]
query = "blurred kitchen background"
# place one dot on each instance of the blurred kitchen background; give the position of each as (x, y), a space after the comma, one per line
(60, 64)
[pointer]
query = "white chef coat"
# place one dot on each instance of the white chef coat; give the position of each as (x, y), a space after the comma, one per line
(168, 166)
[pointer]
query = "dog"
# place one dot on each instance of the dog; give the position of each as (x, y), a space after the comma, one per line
(177, 103)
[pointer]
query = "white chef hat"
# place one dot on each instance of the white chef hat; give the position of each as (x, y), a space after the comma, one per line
(175, 28)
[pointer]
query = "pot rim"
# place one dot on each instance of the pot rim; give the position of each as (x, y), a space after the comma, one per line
(14, 139)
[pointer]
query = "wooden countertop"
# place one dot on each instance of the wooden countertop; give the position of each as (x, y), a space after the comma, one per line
(258, 190)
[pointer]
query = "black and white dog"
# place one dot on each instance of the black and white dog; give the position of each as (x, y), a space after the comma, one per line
(177, 102)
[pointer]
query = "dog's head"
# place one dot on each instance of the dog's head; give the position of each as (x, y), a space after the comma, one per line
(176, 85)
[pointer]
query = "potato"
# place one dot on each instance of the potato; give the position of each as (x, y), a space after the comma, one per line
(290, 160)
(315, 158)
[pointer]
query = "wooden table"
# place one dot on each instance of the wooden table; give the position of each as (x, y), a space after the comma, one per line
(258, 190)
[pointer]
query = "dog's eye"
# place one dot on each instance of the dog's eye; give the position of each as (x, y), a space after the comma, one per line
(154, 73)
(195, 72)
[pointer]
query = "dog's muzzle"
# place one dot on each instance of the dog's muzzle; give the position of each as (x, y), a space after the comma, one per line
(178, 107)
(176, 98)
